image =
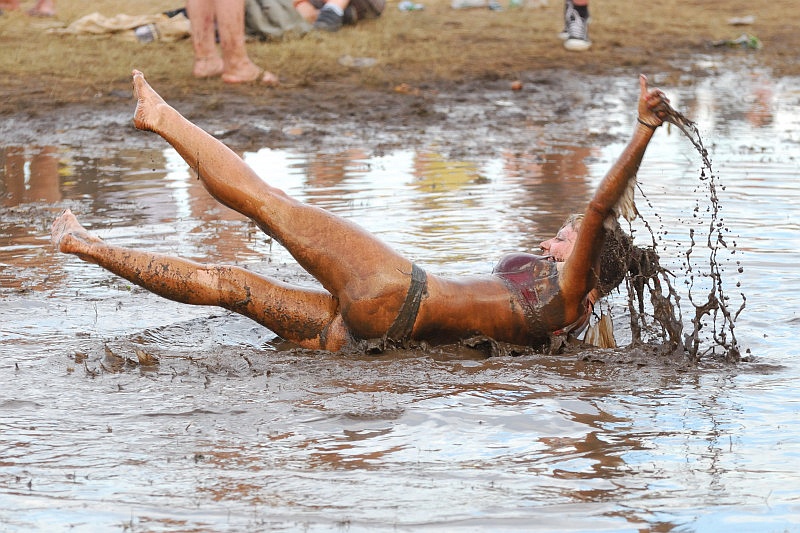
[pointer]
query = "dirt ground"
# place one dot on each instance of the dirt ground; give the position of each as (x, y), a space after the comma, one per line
(76, 90)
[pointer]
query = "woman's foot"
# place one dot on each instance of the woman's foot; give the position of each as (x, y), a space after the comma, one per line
(43, 8)
(41, 14)
(69, 237)
(208, 67)
(250, 74)
(148, 105)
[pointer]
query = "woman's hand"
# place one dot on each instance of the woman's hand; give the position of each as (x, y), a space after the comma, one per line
(653, 105)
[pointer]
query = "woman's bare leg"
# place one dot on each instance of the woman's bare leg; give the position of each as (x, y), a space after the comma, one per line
(368, 277)
(306, 317)
(239, 68)
(207, 60)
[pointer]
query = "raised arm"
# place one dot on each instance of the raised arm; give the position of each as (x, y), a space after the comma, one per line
(579, 275)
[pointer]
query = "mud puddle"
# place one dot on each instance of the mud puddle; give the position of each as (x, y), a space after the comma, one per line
(119, 410)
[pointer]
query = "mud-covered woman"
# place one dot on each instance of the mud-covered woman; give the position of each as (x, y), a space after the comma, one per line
(368, 290)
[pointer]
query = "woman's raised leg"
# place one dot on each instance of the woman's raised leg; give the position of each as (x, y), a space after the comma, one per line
(306, 317)
(369, 279)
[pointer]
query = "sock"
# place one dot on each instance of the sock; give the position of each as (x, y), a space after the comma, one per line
(336, 9)
(583, 11)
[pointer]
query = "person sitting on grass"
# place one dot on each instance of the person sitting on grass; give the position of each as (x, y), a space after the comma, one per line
(368, 290)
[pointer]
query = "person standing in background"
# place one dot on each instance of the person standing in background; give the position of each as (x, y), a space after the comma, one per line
(233, 65)
(576, 25)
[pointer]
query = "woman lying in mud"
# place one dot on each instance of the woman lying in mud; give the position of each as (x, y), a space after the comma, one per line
(369, 291)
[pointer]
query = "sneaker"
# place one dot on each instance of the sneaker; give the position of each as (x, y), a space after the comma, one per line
(350, 16)
(328, 20)
(577, 32)
(564, 35)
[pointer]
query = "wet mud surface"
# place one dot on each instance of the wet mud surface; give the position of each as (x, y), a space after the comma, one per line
(476, 118)
(194, 419)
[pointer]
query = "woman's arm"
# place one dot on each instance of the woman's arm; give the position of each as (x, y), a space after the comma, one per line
(579, 275)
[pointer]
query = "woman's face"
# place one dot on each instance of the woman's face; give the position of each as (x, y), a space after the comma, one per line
(560, 246)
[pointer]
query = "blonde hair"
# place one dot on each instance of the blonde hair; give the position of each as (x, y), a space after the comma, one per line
(615, 256)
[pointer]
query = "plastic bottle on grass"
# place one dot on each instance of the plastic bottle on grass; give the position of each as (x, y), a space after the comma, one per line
(147, 33)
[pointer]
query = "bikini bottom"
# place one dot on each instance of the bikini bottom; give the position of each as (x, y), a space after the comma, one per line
(399, 333)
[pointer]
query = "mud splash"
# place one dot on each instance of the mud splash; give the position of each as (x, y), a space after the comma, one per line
(665, 301)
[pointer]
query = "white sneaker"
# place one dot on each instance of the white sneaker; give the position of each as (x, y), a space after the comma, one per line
(577, 31)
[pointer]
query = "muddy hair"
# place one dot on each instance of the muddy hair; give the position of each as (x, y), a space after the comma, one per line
(618, 256)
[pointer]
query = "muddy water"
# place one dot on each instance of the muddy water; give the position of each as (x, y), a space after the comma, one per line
(234, 431)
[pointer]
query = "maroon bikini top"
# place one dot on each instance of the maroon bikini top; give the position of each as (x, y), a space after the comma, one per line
(534, 280)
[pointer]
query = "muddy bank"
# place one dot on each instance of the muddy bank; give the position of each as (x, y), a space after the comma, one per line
(472, 118)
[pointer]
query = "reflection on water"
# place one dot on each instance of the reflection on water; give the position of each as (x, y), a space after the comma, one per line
(31, 178)
(233, 431)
